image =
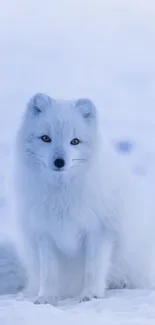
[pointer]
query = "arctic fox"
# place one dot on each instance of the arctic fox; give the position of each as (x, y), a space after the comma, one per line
(80, 230)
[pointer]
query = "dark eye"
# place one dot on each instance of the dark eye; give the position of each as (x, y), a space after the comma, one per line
(45, 138)
(74, 142)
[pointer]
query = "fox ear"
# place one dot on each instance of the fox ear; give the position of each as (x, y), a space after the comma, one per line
(39, 102)
(86, 108)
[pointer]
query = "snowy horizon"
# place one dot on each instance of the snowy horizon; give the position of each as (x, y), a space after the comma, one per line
(103, 50)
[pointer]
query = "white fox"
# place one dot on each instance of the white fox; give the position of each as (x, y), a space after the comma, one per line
(80, 229)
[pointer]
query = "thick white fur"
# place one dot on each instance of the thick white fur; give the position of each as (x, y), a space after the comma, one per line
(83, 229)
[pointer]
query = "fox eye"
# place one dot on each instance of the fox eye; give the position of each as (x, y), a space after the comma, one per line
(75, 141)
(45, 138)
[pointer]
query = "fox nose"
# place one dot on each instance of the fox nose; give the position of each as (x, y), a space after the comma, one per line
(59, 163)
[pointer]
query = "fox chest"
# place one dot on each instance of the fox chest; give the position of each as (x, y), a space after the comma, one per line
(67, 235)
(66, 229)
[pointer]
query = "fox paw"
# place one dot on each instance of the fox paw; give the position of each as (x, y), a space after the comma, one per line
(88, 298)
(41, 300)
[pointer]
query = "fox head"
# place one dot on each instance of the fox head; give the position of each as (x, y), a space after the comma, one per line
(58, 137)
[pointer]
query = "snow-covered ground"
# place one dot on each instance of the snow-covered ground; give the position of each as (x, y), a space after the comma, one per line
(118, 308)
(102, 49)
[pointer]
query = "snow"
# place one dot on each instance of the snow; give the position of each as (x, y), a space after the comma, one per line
(99, 49)
(118, 307)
